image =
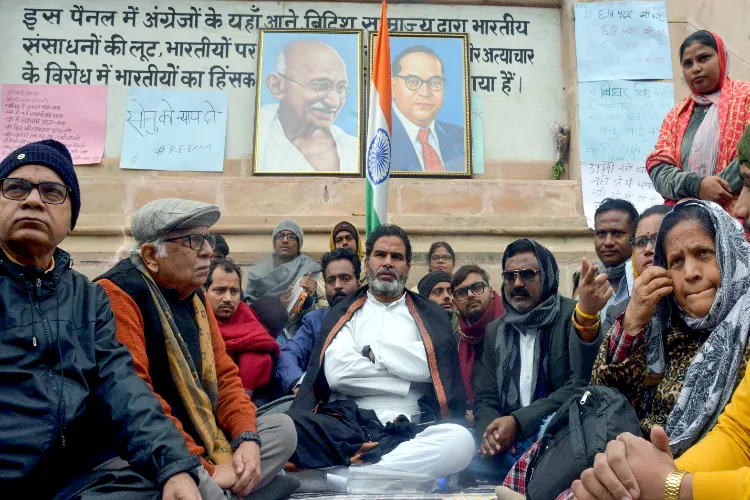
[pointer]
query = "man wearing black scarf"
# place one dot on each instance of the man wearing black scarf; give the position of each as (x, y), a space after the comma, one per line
(614, 228)
(537, 354)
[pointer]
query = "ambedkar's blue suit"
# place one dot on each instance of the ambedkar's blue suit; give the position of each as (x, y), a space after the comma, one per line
(451, 140)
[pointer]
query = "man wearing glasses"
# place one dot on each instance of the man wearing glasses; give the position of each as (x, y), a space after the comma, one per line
(419, 141)
(60, 359)
(298, 134)
(536, 355)
(163, 318)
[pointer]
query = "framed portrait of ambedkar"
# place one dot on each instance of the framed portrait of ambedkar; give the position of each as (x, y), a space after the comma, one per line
(430, 111)
(309, 108)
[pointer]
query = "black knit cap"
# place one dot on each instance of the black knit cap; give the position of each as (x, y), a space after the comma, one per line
(54, 155)
(427, 283)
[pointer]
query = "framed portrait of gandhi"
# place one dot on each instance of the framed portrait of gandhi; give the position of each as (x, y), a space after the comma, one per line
(309, 109)
(430, 112)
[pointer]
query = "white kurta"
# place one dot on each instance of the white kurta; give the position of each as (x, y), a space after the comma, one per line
(527, 344)
(394, 383)
(278, 154)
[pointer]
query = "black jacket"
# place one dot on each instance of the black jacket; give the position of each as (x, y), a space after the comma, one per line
(57, 333)
(446, 400)
(570, 367)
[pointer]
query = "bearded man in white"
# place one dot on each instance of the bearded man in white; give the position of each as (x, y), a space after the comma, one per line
(298, 134)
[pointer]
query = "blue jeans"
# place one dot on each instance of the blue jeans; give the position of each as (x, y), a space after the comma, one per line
(494, 468)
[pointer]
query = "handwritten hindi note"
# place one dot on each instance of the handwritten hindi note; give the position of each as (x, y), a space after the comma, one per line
(175, 130)
(620, 122)
(622, 40)
(71, 114)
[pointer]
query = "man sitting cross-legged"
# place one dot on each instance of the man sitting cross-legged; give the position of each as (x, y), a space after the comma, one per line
(392, 353)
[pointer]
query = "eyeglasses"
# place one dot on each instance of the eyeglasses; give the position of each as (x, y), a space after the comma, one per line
(463, 293)
(641, 242)
(322, 88)
(436, 83)
(446, 257)
(52, 193)
(196, 240)
(287, 236)
(526, 275)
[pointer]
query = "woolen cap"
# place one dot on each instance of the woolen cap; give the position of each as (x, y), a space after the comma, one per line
(427, 283)
(290, 225)
(54, 155)
(160, 217)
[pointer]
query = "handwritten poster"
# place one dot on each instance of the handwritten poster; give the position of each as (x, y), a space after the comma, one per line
(71, 114)
(175, 130)
(619, 123)
(622, 40)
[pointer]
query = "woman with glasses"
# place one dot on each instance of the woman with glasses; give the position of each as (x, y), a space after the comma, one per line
(440, 257)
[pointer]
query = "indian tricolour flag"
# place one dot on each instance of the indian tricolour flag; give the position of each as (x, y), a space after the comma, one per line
(378, 152)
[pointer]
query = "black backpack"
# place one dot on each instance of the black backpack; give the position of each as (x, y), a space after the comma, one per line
(580, 429)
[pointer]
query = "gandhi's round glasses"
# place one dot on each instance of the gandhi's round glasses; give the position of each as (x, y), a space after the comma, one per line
(322, 88)
(436, 83)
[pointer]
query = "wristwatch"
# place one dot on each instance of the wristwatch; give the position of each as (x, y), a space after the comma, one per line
(672, 484)
(245, 436)
(367, 352)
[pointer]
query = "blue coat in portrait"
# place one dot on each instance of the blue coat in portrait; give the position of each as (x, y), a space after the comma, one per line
(451, 140)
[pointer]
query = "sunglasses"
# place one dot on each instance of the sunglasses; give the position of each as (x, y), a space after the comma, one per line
(527, 276)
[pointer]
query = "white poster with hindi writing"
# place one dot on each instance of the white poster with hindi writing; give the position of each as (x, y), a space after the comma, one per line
(622, 40)
(179, 130)
(619, 127)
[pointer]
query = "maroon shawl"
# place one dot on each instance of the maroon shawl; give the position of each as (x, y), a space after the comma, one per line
(471, 335)
(251, 346)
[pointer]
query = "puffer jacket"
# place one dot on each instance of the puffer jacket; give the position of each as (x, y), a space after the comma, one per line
(68, 389)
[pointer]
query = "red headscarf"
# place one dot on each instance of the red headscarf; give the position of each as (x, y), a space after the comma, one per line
(471, 335)
(734, 111)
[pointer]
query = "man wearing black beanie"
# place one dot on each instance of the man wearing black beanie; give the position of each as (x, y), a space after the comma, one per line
(67, 386)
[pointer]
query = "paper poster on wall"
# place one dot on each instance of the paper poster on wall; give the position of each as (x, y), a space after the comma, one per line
(619, 126)
(477, 136)
(182, 130)
(622, 40)
(72, 114)
(626, 180)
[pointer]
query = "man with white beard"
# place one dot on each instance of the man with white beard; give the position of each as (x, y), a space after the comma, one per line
(391, 351)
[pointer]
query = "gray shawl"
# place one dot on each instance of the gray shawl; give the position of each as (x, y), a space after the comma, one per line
(537, 320)
(268, 279)
(712, 377)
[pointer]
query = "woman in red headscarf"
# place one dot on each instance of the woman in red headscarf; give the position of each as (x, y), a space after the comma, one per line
(696, 154)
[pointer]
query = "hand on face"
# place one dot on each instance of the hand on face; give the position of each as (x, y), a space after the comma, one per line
(649, 288)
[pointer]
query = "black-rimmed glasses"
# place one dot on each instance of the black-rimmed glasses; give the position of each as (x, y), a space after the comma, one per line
(322, 88)
(52, 193)
(436, 83)
(642, 242)
(476, 289)
(196, 240)
(526, 275)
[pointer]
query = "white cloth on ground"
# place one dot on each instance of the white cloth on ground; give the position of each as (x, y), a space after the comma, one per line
(400, 375)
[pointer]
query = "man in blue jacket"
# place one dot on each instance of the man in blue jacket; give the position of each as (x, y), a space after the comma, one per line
(341, 269)
(68, 389)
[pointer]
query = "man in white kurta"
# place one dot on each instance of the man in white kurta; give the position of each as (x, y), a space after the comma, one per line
(378, 359)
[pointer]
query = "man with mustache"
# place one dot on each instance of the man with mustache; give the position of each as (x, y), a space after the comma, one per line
(548, 344)
(420, 142)
(391, 353)
(67, 386)
(253, 349)
(341, 270)
(614, 226)
(162, 317)
(297, 134)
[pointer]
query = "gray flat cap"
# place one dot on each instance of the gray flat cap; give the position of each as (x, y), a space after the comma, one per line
(160, 217)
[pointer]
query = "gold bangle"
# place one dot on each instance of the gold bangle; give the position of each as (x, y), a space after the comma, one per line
(672, 484)
(585, 329)
(586, 316)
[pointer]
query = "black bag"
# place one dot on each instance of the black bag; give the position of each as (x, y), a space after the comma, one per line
(580, 429)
